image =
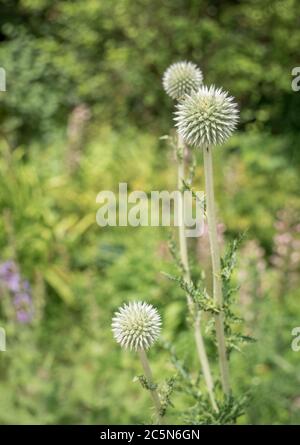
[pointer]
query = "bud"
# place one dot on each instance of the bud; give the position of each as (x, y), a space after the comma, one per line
(182, 78)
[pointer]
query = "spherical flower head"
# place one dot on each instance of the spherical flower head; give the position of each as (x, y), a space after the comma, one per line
(136, 325)
(206, 117)
(182, 78)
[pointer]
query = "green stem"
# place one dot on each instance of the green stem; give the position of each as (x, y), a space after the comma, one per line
(154, 394)
(187, 276)
(216, 266)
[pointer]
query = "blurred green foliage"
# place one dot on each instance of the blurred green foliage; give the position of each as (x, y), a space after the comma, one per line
(111, 55)
(64, 366)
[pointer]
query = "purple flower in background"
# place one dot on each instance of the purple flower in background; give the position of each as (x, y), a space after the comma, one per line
(19, 289)
(9, 276)
(24, 308)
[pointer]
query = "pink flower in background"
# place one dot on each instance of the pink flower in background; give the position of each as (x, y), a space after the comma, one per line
(251, 276)
(286, 251)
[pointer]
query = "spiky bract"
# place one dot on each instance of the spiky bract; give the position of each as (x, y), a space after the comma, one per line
(182, 78)
(136, 325)
(206, 117)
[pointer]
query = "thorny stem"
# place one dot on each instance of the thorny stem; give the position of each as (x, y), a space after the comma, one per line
(216, 267)
(187, 276)
(154, 394)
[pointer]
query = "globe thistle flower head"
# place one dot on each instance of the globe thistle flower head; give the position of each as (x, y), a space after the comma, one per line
(182, 78)
(136, 325)
(206, 117)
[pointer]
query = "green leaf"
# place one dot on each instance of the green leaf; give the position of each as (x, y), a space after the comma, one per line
(57, 279)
